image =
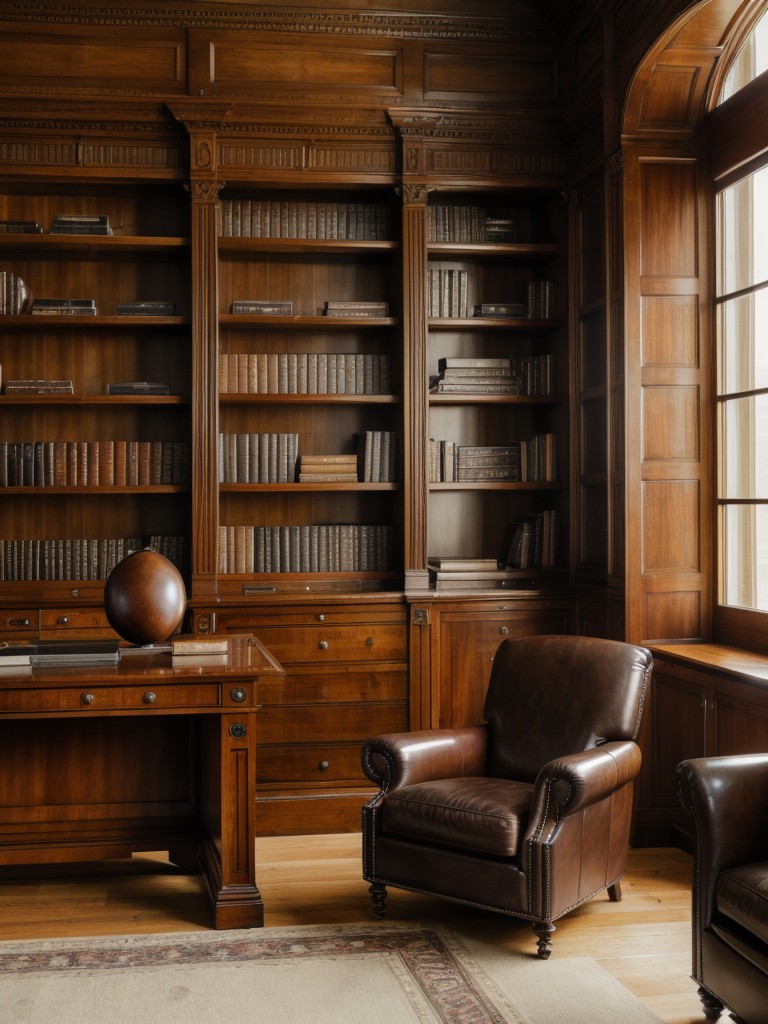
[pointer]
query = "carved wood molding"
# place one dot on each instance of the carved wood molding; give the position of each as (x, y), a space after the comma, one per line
(531, 30)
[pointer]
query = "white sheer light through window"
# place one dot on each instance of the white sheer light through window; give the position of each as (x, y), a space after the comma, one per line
(742, 305)
(751, 61)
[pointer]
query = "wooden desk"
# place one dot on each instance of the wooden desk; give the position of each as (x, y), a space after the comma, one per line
(101, 761)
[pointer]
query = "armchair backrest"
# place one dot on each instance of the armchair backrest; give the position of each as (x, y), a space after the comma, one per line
(550, 696)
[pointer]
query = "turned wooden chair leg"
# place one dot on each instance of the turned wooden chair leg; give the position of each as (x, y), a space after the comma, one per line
(378, 895)
(544, 930)
(614, 892)
(711, 1004)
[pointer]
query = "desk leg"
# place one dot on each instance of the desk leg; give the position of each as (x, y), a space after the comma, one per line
(228, 791)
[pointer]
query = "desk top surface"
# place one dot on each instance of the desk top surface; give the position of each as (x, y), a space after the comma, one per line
(246, 657)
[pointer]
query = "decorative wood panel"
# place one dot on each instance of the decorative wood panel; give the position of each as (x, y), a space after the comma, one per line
(82, 59)
(672, 614)
(672, 414)
(489, 77)
(671, 526)
(670, 331)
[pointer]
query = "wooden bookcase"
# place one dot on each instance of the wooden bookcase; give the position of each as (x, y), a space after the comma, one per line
(368, 645)
(102, 473)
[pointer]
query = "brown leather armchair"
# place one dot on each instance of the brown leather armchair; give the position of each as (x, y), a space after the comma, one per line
(529, 813)
(727, 798)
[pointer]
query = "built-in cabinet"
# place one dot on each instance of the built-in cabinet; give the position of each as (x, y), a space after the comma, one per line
(705, 701)
(363, 364)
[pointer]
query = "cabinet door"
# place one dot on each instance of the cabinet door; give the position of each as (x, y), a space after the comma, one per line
(465, 641)
(674, 727)
(740, 720)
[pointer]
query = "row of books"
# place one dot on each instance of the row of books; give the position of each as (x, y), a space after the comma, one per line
(326, 547)
(325, 469)
(272, 458)
(93, 463)
(376, 456)
(534, 541)
(15, 297)
(81, 558)
(254, 458)
(63, 224)
(452, 223)
(517, 375)
(447, 292)
(275, 218)
(305, 373)
(541, 300)
(526, 461)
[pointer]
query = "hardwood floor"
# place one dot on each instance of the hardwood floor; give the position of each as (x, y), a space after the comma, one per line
(644, 941)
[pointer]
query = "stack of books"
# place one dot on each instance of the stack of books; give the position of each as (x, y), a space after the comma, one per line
(39, 387)
(469, 574)
(507, 310)
(66, 307)
(20, 227)
(81, 224)
(340, 307)
(500, 229)
(144, 308)
(316, 469)
(263, 307)
(459, 375)
(191, 651)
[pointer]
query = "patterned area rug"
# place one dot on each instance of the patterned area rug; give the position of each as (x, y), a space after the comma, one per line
(327, 974)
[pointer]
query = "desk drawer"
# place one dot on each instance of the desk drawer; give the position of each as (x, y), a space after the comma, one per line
(71, 622)
(342, 723)
(318, 644)
(152, 697)
(315, 763)
(19, 623)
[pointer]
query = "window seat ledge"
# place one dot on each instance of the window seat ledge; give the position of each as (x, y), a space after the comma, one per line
(731, 661)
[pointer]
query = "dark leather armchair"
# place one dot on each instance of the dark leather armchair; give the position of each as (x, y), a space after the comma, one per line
(529, 813)
(727, 798)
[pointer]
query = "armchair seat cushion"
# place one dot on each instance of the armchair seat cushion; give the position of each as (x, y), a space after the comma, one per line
(742, 896)
(486, 815)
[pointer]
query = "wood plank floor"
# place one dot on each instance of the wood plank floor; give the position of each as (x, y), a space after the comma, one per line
(644, 941)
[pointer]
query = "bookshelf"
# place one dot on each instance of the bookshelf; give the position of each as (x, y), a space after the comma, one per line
(86, 476)
(496, 359)
(304, 380)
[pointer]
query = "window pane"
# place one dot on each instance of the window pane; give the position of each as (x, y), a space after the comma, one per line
(745, 556)
(744, 448)
(743, 251)
(751, 61)
(743, 348)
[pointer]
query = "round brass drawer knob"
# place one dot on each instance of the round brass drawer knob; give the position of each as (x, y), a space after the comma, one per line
(150, 697)
(237, 730)
(324, 766)
(369, 641)
(87, 698)
(323, 645)
(238, 694)
(503, 630)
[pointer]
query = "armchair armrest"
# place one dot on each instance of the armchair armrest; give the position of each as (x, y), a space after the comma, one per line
(727, 798)
(568, 784)
(402, 759)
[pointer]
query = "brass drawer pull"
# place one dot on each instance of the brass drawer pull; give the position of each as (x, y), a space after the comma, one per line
(369, 641)
(324, 766)
(87, 698)
(238, 694)
(321, 616)
(18, 622)
(323, 645)
(503, 630)
(62, 620)
(150, 697)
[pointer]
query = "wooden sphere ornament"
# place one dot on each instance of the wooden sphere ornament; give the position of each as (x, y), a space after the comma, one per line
(144, 598)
